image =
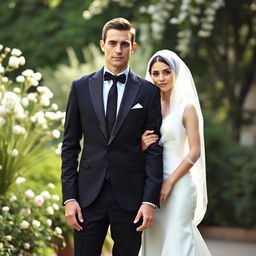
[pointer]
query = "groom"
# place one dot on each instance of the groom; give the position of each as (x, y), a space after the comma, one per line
(113, 182)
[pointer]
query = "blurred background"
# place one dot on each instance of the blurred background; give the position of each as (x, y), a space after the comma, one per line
(215, 38)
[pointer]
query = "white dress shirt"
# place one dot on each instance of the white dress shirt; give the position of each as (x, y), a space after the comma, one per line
(120, 88)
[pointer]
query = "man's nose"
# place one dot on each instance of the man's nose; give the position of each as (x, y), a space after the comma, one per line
(118, 48)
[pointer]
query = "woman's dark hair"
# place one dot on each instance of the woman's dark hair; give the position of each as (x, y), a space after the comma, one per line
(157, 58)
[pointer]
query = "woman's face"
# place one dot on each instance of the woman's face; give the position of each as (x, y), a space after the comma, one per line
(162, 76)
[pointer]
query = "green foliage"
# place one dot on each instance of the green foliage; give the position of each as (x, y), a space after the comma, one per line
(43, 29)
(231, 180)
(28, 223)
(29, 122)
(60, 79)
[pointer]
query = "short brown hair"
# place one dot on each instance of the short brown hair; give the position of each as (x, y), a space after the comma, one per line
(118, 24)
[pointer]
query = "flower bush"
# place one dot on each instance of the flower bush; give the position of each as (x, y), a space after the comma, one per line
(28, 221)
(29, 123)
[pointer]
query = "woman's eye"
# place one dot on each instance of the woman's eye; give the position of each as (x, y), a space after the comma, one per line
(155, 73)
(167, 72)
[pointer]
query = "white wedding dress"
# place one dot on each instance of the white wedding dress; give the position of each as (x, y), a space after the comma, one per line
(173, 232)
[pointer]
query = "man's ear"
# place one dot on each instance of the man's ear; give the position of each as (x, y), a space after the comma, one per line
(134, 47)
(102, 45)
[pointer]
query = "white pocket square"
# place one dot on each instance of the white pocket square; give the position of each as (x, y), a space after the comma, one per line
(137, 106)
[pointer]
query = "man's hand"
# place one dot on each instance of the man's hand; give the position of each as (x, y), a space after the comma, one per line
(72, 209)
(148, 213)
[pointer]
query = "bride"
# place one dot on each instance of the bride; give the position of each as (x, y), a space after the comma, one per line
(183, 195)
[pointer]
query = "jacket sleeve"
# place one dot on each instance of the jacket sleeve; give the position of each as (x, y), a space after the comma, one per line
(71, 146)
(153, 155)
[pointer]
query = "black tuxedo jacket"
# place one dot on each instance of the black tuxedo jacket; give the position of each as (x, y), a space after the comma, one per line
(136, 176)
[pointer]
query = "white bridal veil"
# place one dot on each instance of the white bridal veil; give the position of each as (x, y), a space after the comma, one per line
(184, 91)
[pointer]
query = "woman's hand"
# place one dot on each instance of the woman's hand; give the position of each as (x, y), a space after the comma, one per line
(165, 191)
(147, 139)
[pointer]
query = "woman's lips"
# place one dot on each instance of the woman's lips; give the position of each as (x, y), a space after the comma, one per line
(162, 85)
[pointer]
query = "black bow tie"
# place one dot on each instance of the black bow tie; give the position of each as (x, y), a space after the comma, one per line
(120, 78)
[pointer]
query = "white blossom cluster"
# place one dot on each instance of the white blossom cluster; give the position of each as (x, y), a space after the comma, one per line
(28, 118)
(98, 6)
(186, 14)
(25, 216)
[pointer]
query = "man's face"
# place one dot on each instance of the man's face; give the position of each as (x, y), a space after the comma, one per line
(117, 48)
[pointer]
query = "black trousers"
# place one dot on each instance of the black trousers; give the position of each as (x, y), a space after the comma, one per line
(103, 212)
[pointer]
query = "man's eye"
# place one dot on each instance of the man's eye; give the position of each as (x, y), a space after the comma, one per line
(125, 44)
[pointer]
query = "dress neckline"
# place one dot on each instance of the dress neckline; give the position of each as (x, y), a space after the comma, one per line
(166, 117)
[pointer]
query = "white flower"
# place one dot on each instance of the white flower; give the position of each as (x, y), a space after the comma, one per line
(5, 209)
(44, 101)
(13, 198)
(37, 76)
(14, 62)
(1, 167)
(203, 33)
(54, 106)
(7, 49)
(1, 69)
(17, 90)
(36, 223)
(5, 79)
(55, 198)
(20, 79)
(33, 119)
(20, 180)
(2, 121)
(50, 210)
(51, 186)
(33, 81)
(25, 211)
(1, 47)
(41, 121)
(45, 194)
(29, 193)
(55, 207)
(39, 114)
(45, 90)
(24, 224)
(32, 97)
(26, 246)
(39, 200)
(58, 230)
(22, 60)
(56, 133)
(14, 152)
(49, 222)
(17, 129)
(16, 52)
(25, 102)
(8, 238)
(57, 151)
(11, 104)
(87, 15)
(28, 72)
(1, 244)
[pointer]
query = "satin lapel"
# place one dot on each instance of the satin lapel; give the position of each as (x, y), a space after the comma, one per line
(96, 93)
(131, 89)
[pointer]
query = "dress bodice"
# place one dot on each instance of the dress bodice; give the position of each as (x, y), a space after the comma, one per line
(174, 139)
